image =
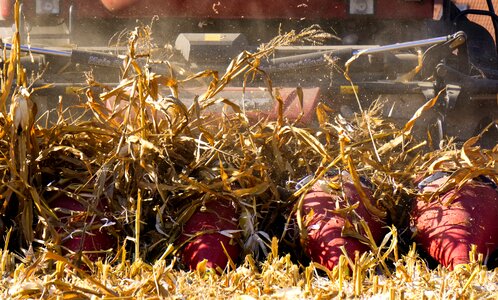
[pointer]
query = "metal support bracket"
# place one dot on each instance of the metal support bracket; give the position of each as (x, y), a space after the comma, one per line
(451, 96)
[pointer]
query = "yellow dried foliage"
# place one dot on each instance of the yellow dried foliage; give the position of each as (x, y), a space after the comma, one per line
(156, 160)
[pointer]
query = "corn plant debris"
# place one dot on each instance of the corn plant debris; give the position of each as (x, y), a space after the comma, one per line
(92, 206)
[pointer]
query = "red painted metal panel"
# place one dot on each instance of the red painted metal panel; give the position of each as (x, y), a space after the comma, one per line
(237, 9)
(402, 9)
(262, 9)
(254, 9)
(117, 5)
(6, 9)
(228, 9)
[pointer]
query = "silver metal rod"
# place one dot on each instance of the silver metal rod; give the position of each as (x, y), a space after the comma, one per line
(408, 45)
(37, 50)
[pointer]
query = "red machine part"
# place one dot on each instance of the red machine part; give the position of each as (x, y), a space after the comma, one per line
(74, 217)
(447, 231)
(262, 9)
(258, 104)
(203, 239)
(293, 109)
(255, 9)
(325, 227)
(5, 9)
(117, 5)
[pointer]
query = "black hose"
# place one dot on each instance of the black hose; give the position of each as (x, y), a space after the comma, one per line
(491, 14)
(490, 5)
